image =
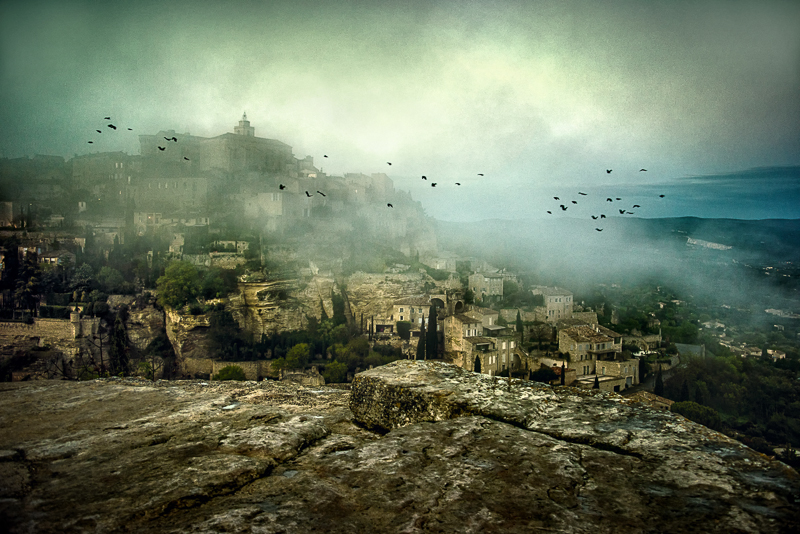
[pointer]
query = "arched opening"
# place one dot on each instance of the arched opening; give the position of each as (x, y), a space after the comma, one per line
(516, 362)
(459, 307)
(477, 366)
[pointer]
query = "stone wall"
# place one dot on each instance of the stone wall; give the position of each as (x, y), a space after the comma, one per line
(198, 367)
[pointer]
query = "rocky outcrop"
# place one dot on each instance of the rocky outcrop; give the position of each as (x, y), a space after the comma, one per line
(188, 335)
(374, 294)
(144, 325)
(450, 451)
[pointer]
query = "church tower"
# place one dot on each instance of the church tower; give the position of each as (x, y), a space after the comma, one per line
(244, 127)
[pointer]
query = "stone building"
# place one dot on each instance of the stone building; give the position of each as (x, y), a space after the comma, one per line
(557, 302)
(486, 285)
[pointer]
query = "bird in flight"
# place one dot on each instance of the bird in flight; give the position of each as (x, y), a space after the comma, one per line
(390, 205)
(90, 142)
(184, 157)
(388, 162)
(584, 194)
(642, 170)
(563, 207)
(602, 216)
(433, 184)
(480, 174)
(324, 155)
(574, 201)
(609, 200)
(107, 118)
(636, 206)
(98, 131)
(550, 212)
(599, 229)
(608, 171)
(166, 139)
(162, 148)
(458, 183)
(660, 196)
(308, 195)
(556, 198)
(112, 126)
(424, 177)
(321, 193)
(594, 216)
(130, 129)
(282, 187)
(622, 212)
(618, 198)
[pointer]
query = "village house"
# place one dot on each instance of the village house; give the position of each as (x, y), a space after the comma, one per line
(557, 301)
(412, 310)
(597, 351)
(486, 285)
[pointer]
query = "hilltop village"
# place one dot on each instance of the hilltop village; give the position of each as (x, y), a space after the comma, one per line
(274, 246)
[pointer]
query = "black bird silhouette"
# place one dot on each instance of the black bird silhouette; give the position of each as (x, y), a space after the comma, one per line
(660, 196)
(184, 157)
(574, 201)
(599, 229)
(130, 129)
(424, 177)
(618, 198)
(629, 212)
(324, 155)
(433, 184)
(90, 142)
(640, 170)
(550, 212)
(480, 174)
(282, 187)
(608, 171)
(107, 118)
(321, 193)
(556, 198)
(390, 205)
(584, 194)
(636, 206)
(173, 139)
(166, 139)
(609, 200)
(308, 195)
(602, 216)
(112, 126)
(563, 207)
(162, 148)
(388, 162)
(594, 216)
(99, 131)
(458, 183)
(622, 212)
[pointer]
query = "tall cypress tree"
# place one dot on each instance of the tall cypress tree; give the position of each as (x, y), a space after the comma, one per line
(659, 386)
(432, 348)
(519, 325)
(422, 341)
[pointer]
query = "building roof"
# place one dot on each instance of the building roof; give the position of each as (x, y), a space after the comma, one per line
(494, 327)
(586, 334)
(419, 300)
(465, 319)
(606, 331)
(479, 340)
(551, 291)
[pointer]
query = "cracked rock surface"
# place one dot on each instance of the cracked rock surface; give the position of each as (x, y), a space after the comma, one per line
(414, 447)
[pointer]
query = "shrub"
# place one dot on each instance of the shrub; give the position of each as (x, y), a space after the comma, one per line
(699, 414)
(335, 372)
(230, 372)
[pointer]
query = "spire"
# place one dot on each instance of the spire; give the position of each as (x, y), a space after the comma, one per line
(244, 127)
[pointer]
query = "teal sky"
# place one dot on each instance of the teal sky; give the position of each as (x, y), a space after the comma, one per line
(534, 95)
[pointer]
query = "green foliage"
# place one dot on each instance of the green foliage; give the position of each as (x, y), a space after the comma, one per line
(230, 372)
(404, 330)
(110, 280)
(432, 339)
(179, 285)
(469, 297)
(118, 350)
(519, 323)
(543, 374)
(422, 341)
(298, 356)
(338, 310)
(699, 414)
(658, 389)
(335, 372)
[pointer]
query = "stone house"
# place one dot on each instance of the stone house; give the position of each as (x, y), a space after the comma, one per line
(557, 301)
(486, 285)
(456, 329)
(411, 309)
(588, 343)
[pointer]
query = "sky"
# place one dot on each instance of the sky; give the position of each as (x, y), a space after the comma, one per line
(540, 97)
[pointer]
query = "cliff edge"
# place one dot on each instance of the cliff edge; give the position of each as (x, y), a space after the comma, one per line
(414, 447)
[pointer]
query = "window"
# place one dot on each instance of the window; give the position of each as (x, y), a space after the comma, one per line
(401, 317)
(513, 344)
(504, 344)
(401, 310)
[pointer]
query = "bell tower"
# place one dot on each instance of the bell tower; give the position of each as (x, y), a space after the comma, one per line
(244, 127)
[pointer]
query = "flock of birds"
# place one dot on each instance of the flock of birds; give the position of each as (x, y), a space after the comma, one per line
(564, 207)
(623, 211)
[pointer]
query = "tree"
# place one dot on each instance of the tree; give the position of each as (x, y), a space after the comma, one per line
(118, 349)
(82, 277)
(699, 414)
(519, 323)
(658, 389)
(469, 297)
(110, 280)
(596, 383)
(422, 339)
(179, 285)
(298, 356)
(404, 330)
(432, 340)
(230, 372)
(335, 372)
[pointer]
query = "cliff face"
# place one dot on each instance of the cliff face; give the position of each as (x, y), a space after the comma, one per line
(453, 452)
(373, 294)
